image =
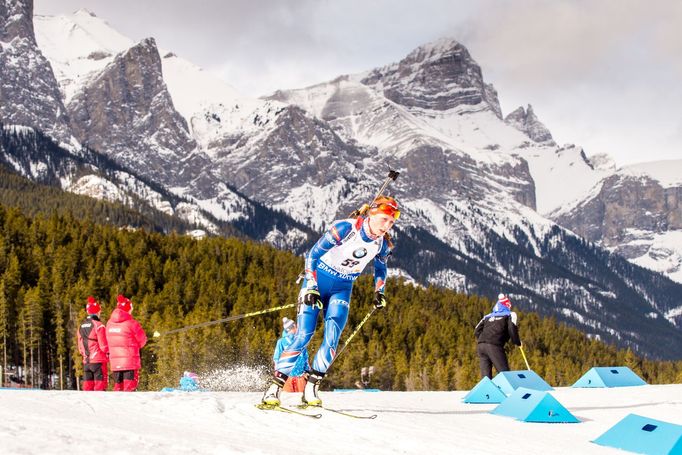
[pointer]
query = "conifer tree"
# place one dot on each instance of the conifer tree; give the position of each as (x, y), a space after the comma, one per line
(4, 326)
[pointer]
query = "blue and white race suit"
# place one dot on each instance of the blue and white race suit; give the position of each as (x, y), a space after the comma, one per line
(332, 266)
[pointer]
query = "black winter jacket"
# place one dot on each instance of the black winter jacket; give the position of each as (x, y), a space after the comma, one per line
(498, 330)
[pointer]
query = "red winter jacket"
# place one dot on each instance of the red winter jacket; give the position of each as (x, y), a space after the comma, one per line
(95, 349)
(126, 338)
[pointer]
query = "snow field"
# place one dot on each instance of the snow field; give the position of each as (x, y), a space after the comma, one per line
(33, 421)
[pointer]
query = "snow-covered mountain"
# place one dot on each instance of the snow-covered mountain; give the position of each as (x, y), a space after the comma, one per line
(563, 174)
(527, 122)
(29, 94)
(116, 109)
(479, 194)
(469, 188)
(31, 154)
(109, 94)
(636, 212)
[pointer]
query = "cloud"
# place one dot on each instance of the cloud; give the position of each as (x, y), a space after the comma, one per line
(605, 75)
(543, 41)
(315, 41)
(667, 37)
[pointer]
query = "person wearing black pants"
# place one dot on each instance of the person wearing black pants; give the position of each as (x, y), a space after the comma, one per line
(93, 346)
(492, 332)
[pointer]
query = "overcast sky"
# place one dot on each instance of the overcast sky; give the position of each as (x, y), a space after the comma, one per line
(603, 74)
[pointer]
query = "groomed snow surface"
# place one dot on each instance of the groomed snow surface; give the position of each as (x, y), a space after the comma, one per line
(40, 422)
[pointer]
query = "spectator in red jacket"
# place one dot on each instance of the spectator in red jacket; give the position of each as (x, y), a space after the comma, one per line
(92, 344)
(126, 338)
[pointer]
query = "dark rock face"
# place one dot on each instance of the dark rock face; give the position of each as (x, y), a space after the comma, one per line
(299, 137)
(16, 20)
(454, 175)
(294, 149)
(126, 112)
(527, 122)
(623, 204)
(29, 94)
(439, 76)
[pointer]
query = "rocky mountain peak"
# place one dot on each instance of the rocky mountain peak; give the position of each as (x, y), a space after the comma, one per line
(29, 94)
(635, 215)
(527, 122)
(602, 162)
(435, 51)
(85, 12)
(440, 76)
(146, 51)
(16, 20)
(117, 109)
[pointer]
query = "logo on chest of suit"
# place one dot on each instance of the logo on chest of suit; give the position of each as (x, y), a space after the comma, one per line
(360, 253)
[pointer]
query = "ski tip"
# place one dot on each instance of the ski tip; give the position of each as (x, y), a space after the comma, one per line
(273, 407)
(338, 411)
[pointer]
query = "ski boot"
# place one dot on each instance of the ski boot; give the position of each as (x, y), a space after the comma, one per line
(310, 396)
(271, 395)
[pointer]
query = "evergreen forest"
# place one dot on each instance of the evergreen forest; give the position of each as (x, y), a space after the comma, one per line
(423, 340)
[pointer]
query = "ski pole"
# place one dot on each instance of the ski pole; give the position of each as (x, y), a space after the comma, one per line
(524, 357)
(392, 175)
(231, 318)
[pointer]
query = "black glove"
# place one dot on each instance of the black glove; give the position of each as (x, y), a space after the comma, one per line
(312, 298)
(379, 300)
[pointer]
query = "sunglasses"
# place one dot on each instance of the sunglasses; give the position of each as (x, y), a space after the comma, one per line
(387, 209)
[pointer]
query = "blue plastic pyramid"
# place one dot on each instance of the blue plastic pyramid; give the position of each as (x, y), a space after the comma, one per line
(530, 405)
(508, 381)
(485, 392)
(609, 377)
(643, 435)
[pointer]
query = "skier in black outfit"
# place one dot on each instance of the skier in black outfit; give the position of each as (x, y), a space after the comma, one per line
(492, 332)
